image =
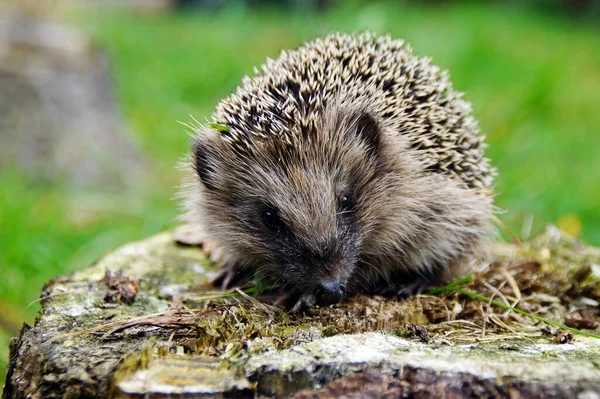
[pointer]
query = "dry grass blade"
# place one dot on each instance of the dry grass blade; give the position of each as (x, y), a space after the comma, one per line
(543, 319)
(514, 237)
(170, 317)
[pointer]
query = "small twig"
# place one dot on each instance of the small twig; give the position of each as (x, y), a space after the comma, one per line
(496, 290)
(485, 319)
(459, 321)
(513, 286)
(227, 294)
(494, 319)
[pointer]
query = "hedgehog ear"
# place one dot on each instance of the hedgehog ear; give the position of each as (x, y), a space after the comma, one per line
(368, 130)
(204, 163)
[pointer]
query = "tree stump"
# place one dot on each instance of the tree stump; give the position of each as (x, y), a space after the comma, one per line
(143, 323)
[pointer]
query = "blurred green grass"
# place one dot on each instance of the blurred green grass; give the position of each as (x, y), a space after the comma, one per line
(534, 82)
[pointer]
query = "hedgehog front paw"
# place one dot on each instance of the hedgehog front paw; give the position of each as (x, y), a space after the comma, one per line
(296, 304)
(416, 287)
(402, 287)
(231, 274)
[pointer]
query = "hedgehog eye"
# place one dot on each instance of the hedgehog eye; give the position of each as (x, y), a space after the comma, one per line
(346, 203)
(272, 220)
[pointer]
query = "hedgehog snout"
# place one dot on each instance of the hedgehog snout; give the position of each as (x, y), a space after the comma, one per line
(329, 291)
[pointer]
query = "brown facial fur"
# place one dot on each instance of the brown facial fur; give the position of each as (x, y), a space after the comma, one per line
(354, 198)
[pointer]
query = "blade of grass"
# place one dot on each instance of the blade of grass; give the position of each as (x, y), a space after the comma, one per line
(452, 286)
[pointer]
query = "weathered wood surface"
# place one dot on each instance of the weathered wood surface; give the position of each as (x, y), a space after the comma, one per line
(152, 350)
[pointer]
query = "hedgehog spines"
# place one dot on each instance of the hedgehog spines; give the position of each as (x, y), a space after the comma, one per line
(287, 96)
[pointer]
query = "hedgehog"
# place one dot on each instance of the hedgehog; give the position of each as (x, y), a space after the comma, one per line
(348, 165)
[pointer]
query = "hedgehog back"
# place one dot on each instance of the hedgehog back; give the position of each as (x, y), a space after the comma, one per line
(285, 99)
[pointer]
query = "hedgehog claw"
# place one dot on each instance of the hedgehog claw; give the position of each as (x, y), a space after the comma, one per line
(281, 301)
(229, 273)
(305, 301)
(213, 251)
(298, 306)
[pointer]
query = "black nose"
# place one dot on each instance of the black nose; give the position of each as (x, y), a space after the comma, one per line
(328, 292)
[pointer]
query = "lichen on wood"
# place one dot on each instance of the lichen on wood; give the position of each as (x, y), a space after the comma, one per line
(177, 335)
